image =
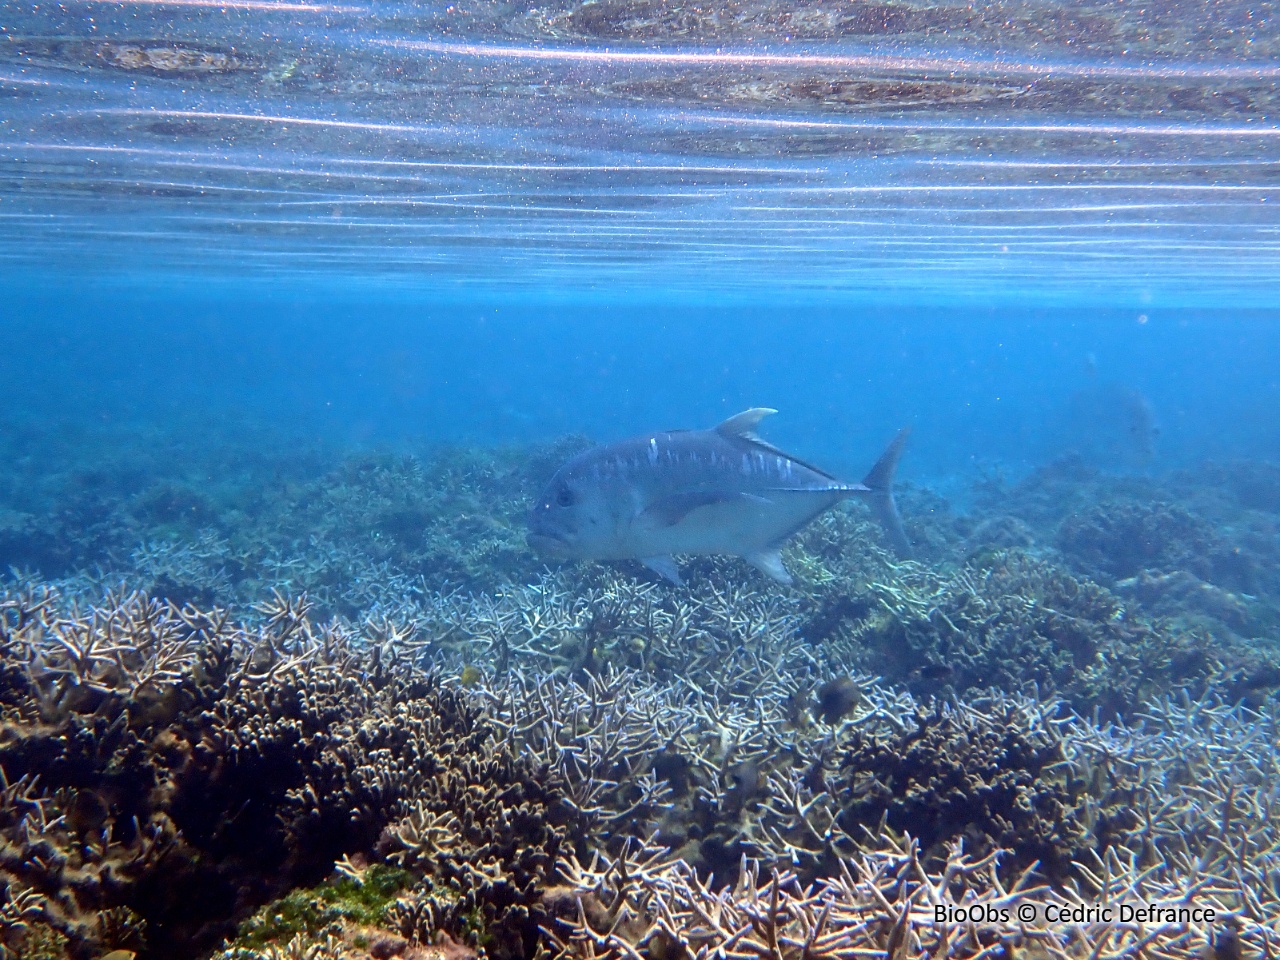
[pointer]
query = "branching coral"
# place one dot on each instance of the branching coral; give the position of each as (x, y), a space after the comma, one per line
(884, 903)
(717, 782)
(1117, 539)
(148, 753)
(984, 776)
(1020, 623)
(185, 768)
(1013, 621)
(1202, 780)
(150, 749)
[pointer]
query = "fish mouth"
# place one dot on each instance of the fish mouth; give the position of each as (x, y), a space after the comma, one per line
(548, 543)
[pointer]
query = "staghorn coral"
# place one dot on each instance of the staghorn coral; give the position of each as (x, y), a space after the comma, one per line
(1203, 781)
(884, 903)
(717, 782)
(1114, 540)
(164, 771)
(1056, 795)
(377, 536)
(728, 721)
(243, 752)
(987, 778)
(1018, 622)
(1010, 621)
(262, 754)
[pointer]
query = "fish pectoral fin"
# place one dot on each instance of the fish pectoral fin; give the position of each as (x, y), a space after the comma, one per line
(671, 509)
(769, 562)
(664, 567)
(744, 424)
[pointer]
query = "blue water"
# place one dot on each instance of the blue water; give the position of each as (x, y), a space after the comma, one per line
(362, 224)
(302, 303)
(981, 387)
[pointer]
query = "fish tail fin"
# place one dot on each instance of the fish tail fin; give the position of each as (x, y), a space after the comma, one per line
(879, 483)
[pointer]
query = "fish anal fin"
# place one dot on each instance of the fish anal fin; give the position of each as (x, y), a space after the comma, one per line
(665, 567)
(744, 424)
(769, 562)
(671, 509)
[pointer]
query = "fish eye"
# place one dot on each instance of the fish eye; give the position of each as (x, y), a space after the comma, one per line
(565, 497)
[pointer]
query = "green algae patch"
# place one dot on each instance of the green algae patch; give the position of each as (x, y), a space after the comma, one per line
(328, 908)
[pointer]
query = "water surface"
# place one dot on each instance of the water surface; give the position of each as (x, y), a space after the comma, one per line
(1054, 151)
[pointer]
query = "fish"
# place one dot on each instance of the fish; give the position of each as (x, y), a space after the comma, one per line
(837, 697)
(1111, 423)
(699, 492)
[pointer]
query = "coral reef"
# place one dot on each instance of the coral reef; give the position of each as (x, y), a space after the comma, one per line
(164, 772)
(1012, 622)
(369, 529)
(1117, 540)
(718, 781)
(884, 904)
(1202, 784)
(984, 778)
(1020, 623)
(350, 716)
(364, 534)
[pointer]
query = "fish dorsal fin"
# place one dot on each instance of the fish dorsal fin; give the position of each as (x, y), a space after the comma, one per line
(744, 424)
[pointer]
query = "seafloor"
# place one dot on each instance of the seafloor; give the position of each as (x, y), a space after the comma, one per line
(316, 705)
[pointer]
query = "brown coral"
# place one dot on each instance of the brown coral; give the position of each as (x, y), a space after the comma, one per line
(987, 778)
(187, 769)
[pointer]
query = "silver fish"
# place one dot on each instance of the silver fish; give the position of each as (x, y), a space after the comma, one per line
(718, 491)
